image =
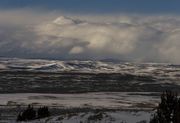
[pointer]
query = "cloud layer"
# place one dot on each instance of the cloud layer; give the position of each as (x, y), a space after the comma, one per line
(127, 37)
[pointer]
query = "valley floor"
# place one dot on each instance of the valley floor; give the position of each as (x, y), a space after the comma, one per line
(101, 107)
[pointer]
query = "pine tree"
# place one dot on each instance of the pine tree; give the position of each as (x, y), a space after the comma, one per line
(168, 110)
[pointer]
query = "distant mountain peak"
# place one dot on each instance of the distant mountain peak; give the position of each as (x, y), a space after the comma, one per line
(62, 20)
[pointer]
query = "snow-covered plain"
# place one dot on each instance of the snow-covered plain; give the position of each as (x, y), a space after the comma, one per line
(107, 100)
(130, 107)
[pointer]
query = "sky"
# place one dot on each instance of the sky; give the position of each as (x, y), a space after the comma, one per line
(128, 30)
(101, 6)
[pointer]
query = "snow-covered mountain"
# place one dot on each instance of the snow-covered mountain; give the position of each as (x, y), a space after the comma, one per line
(86, 66)
(35, 75)
(162, 70)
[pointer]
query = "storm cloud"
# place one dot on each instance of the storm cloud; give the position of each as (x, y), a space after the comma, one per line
(125, 37)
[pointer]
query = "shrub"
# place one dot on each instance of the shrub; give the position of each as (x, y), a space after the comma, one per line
(28, 114)
(31, 114)
(43, 112)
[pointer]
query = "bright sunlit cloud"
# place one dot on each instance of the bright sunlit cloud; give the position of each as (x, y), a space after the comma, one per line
(68, 36)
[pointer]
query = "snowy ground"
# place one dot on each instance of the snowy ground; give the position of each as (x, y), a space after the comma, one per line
(91, 117)
(129, 107)
(115, 100)
(106, 117)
